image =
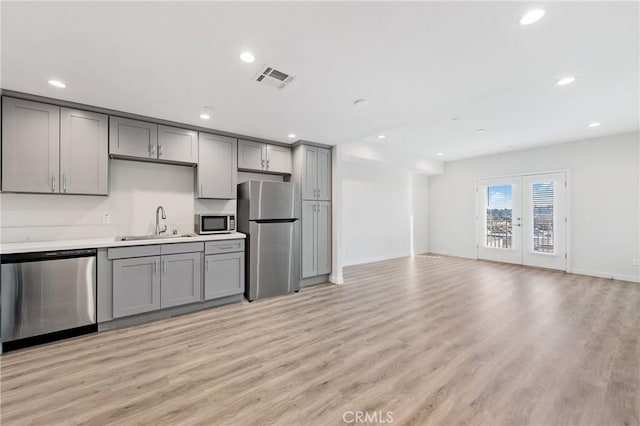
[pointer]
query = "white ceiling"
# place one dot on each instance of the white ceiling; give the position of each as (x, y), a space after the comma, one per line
(419, 64)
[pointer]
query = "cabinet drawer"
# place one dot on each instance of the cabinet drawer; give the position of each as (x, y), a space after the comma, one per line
(181, 248)
(225, 246)
(135, 251)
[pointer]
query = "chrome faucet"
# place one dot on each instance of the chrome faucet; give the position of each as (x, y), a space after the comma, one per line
(164, 216)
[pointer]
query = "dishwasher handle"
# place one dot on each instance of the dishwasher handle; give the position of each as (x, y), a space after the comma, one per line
(47, 255)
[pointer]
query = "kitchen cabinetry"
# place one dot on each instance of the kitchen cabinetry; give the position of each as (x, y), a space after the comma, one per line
(48, 149)
(217, 171)
(136, 285)
(84, 159)
(261, 157)
(312, 171)
(148, 278)
(180, 279)
(142, 140)
(315, 173)
(316, 238)
(223, 269)
(179, 145)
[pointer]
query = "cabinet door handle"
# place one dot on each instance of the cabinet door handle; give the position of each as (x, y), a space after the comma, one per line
(64, 183)
(53, 183)
(206, 265)
(267, 164)
(157, 266)
(164, 266)
(152, 149)
(262, 162)
(159, 150)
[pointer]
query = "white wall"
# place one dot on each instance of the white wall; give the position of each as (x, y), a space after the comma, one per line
(604, 186)
(137, 188)
(384, 211)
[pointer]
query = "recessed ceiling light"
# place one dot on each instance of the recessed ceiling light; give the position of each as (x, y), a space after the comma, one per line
(360, 102)
(565, 80)
(594, 124)
(440, 154)
(57, 83)
(381, 136)
(532, 16)
(247, 57)
(205, 116)
(291, 136)
(480, 130)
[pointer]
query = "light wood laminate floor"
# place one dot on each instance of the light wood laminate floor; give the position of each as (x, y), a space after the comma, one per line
(434, 340)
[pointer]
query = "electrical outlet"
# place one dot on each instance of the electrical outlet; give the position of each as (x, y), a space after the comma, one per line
(106, 218)
(635, 262)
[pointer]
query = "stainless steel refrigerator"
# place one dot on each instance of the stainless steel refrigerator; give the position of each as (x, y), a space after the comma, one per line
(269, 213)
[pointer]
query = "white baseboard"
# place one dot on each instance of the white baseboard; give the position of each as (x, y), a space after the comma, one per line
(374, 259)
(600, 274)
(336, 279)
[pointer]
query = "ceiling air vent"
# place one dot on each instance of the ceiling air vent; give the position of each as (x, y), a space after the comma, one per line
(272, 77)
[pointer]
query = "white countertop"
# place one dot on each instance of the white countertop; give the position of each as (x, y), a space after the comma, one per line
(33, 246)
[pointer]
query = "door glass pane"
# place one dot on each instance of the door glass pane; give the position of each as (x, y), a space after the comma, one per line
(543, 230)
(499, 229)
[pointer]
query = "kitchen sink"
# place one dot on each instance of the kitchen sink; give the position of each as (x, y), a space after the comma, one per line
(152, 237)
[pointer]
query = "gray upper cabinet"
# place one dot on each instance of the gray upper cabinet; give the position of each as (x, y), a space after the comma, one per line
(217, 171)
(84, 152)
(133, 138)
(180, 283)
(177, 145)
(278, 159)
(223, 275)
(263, 157)
(136, 285)
(324, 174)
(316, 173)
(309, 172)
(251, 155)
(30, 146)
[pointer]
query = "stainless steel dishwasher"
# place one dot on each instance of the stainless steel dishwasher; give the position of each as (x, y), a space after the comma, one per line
(47, 294)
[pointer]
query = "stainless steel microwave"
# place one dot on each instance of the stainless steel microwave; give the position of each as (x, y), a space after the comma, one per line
(215, 224)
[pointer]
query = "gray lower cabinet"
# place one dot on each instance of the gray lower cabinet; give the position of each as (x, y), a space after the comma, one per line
(217, 170)
(133, 138)
(30, 146)
(223, 275)
(180, 279)
(136, 285)
(316, 238)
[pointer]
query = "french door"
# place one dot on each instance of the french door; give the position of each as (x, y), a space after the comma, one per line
(522, 220)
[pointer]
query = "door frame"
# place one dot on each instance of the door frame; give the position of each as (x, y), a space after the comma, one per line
(532, 173)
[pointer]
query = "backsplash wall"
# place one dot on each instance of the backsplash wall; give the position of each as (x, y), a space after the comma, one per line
(137, 189)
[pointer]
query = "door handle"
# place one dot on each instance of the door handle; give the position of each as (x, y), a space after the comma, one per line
(157, 266)
(159, 150)
(262, 162)
(64, 183)
(53, 183)
(206, 265)
(152, 149)
(164, 266)
(267, 164)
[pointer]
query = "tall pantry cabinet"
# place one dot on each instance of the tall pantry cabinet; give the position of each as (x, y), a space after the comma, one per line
(312, 172)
